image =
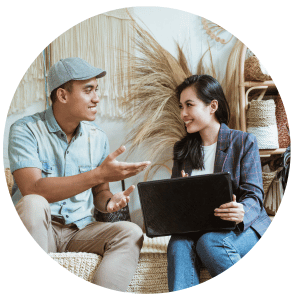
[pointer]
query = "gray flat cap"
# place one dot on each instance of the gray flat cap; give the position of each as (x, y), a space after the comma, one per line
(72, 68)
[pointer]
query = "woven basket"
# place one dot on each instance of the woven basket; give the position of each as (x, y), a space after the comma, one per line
(253, 70)
(261, 121)
(282, 124)
(268, 178)
(9, 179)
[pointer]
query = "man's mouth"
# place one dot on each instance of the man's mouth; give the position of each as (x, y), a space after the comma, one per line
(92, 108)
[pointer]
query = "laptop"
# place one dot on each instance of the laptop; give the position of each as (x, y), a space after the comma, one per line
(186, 204)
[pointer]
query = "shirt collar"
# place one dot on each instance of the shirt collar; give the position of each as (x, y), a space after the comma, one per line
(51, 121)
(53, 125)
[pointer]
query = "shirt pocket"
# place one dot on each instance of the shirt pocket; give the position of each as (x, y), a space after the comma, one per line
(84, 196)
(49, 169)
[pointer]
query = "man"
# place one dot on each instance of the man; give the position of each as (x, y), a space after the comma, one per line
(62, 168)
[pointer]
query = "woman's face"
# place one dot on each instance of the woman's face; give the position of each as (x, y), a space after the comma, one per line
(194, 112)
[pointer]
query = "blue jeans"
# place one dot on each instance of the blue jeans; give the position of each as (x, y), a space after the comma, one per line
(217, 251)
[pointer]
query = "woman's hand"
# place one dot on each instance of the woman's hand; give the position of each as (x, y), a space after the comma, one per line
(119, 200)
(231, 211)
(183, 174)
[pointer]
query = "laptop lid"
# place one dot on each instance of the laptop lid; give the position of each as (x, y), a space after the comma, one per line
(186, 204)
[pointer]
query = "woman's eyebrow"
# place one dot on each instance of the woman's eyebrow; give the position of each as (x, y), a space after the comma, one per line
(186, 101)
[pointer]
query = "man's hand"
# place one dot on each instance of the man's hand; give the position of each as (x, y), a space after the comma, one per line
(111, 170)
(231, 211)
(119, 200)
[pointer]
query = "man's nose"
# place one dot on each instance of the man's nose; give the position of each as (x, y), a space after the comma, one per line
(96, 98)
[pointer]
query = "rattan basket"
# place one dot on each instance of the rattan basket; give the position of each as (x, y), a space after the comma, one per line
(261, 121)
(268, 178)
(282, 124)
(253, 70)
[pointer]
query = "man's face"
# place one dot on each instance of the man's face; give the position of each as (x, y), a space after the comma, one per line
(83, 100)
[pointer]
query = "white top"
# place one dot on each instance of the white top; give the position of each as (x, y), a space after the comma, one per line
(209, 160)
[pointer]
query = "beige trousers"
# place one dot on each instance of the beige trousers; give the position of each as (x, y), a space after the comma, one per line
(119, 243)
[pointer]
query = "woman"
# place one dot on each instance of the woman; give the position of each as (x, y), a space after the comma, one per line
(211, 147)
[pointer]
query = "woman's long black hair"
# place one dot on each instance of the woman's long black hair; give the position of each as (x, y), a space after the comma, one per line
(207, 89)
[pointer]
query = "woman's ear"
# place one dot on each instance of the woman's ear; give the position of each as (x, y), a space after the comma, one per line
(61, 95)
(214, 104)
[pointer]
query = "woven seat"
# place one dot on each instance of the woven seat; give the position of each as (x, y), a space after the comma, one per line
(151, 273)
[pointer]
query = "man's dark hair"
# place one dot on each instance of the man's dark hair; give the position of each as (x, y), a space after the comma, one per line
(66, 86)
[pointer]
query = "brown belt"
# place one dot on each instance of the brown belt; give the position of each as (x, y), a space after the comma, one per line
(58, 219)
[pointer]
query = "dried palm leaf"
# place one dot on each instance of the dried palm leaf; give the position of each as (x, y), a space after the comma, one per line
(152, 109)
(202, 69)
(232, 84)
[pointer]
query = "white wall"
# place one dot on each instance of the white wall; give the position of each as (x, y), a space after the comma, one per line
(167, 26)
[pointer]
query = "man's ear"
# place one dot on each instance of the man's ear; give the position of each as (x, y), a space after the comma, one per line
(214, 104)
(61, 95)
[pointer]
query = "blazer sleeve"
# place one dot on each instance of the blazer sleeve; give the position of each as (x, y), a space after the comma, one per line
(251, 191)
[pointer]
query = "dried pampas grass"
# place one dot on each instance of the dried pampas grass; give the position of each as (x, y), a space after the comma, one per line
(152, 108)
(231, 85)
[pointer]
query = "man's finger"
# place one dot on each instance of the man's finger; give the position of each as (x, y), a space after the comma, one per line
(129, 190)
(116, 153)
(140, 166)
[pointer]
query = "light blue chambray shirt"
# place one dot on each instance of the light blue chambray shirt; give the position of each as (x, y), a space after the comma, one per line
(38, 141)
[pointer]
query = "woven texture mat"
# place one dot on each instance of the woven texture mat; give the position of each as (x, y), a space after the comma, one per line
(151, 273)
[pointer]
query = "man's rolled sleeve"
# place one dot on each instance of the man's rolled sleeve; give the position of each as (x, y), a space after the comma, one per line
(22, 148)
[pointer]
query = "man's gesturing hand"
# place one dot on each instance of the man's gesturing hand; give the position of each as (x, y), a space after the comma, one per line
(231, 211)
(112, 170)
(119, 200)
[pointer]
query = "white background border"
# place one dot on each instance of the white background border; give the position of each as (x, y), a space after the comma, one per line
(271, 30)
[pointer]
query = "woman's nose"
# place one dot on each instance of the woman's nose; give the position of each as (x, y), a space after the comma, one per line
(183, 113)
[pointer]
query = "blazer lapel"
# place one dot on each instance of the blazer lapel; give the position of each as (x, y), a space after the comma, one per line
(222, 145)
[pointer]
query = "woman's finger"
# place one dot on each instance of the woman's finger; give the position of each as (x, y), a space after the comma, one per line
(229, 204)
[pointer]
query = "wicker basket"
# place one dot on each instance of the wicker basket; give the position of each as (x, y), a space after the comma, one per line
(282, 124)
(253, 70)
(268, 178)
(261, 121)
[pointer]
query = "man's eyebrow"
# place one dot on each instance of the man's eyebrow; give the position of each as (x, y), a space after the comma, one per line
(89, 86)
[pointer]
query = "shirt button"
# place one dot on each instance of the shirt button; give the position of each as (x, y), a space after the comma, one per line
(67, 216)
(64, 203)
(67, 152)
